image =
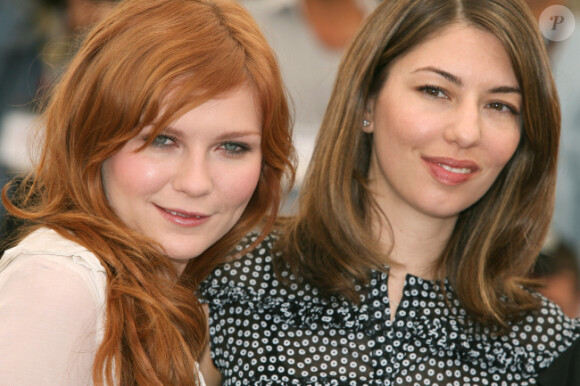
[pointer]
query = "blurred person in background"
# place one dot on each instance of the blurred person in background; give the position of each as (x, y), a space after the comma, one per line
(558, 270)
(82, 14)
(36, 42)
(21, 40)
(558, 264)
(564, 57)
(309, 37)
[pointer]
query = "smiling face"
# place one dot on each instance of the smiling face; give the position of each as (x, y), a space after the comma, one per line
(445, 123)
(191, 185)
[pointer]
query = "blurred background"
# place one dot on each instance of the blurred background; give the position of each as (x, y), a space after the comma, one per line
(37, 38)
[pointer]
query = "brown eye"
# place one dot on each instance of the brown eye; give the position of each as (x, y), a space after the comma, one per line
(433, 91)
(502, 107)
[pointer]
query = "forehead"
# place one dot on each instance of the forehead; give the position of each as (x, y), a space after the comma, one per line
(236, 107)
(464, 49)
(182, 98)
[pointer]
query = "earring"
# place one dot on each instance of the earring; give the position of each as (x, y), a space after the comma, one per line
(366, 123)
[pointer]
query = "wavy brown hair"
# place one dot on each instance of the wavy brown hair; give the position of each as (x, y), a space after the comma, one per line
(496, 240)
(143, 53)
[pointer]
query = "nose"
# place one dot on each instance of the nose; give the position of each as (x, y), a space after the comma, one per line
(465, 127)
(193, 176)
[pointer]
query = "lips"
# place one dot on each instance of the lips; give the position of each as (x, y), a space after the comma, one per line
(182, 217)
(174, 213)
(455, 170)
(449, 171)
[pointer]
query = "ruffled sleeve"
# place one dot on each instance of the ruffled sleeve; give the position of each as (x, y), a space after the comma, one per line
(251, 283)
(530, 345)
(270, 328)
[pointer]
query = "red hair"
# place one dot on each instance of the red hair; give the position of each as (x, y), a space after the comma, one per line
(116, 85)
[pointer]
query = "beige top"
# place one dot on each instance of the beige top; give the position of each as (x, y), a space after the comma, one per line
(54, 342)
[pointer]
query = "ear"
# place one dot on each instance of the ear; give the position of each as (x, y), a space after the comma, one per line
(367, 123)
(367, 126)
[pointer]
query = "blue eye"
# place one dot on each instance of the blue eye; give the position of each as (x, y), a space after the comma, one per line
(235, 148)
(162, 140)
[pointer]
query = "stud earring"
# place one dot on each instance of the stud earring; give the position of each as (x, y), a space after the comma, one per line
(366, 123)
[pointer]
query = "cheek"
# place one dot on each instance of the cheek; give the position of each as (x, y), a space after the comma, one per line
(397, 137)
(238, 185)
(127, 175)
(503, 147)
(403, 124)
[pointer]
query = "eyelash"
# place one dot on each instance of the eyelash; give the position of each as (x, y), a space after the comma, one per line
(428, 89)
(164, 137)
(241, 148)
(509, 108)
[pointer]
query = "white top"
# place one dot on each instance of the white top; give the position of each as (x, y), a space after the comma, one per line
(55, 341)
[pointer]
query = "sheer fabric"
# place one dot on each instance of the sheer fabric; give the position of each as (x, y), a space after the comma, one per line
(266, 332)
(52, 312)
(54, 341)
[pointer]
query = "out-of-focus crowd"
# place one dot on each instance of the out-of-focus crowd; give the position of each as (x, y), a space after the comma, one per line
(37, 37)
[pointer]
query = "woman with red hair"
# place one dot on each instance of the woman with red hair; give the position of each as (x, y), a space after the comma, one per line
(166, 141)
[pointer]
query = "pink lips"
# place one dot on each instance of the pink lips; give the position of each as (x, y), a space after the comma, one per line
(183, 218)
(449, 171)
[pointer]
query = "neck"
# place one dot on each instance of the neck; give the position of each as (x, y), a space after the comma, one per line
(417, 242)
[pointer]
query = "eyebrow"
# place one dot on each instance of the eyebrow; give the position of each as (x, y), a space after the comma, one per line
(455, 80)
(228, 135)
(238, 134)
(506, 90)
(450, 77)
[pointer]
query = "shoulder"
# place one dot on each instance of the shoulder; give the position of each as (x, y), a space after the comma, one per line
(47, 242)
(51, 263)
(537, 339)
(547, 331)
(248, 258)
(252, 270)
(52, 309)
(549, 337)
(528, 346)
(256, 278)
(257, 283)
(548, 327)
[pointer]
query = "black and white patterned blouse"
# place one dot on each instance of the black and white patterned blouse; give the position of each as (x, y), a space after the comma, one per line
(264, 332)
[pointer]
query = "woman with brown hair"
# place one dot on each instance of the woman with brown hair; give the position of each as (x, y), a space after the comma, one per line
(163, 144)
(425, 205)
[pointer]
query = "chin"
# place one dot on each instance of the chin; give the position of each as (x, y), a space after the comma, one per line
(184, 255)
(440, 210)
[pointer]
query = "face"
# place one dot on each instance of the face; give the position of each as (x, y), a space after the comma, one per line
(191, 185)
(445, 123)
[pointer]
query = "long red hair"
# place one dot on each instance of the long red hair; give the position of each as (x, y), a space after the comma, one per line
(116, 85)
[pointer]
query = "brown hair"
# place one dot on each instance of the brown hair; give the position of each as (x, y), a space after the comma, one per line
(195, 50)
(496, 240)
